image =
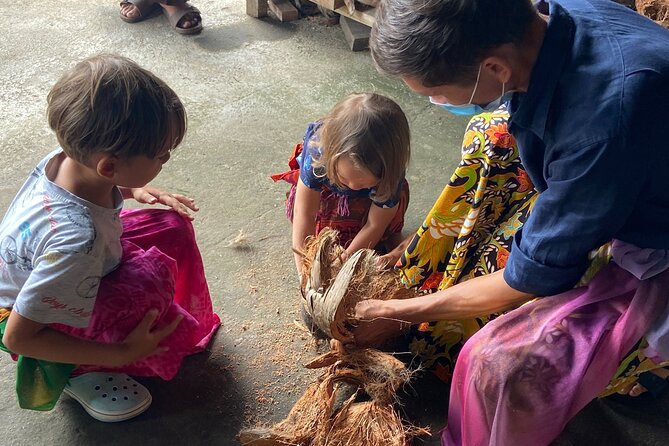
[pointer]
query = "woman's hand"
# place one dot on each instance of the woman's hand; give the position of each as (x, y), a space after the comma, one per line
(151, 195)
(376, 324)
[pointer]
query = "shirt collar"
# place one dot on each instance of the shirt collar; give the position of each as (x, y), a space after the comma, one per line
(530, 109)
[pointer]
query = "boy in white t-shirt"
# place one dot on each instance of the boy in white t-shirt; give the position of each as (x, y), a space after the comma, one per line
(85, 287)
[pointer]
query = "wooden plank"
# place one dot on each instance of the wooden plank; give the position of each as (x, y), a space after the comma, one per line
(366, 17)
(283, 10)
(331, 4)
(356, 34)
(256, 8)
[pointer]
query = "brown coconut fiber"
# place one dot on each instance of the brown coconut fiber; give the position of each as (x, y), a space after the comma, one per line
(657, 10)
(353, 401)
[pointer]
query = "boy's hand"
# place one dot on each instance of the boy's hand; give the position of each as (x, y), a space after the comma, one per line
(143, 340)
(151, 195)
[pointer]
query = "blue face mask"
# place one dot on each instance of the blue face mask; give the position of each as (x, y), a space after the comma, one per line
(470, 109)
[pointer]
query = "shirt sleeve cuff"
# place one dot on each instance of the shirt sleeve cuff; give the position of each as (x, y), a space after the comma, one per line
(525, 274)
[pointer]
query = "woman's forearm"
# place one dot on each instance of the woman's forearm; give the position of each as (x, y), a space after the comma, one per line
(476, 297)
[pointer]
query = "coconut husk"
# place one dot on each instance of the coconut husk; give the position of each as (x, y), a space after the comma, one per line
(351, 403)
(656, 10)
(322, 250)
(332, 290)
(367, 423)
(379, 374)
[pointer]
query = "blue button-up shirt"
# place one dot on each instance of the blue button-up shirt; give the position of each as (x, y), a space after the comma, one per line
(592, 130)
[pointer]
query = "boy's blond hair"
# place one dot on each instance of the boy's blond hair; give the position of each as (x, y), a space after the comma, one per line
(373, 132)
(109, 104)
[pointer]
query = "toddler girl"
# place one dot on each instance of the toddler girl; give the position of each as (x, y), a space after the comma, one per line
(349, 175)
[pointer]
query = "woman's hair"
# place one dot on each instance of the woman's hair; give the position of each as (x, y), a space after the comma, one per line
(439, 42)
(373, 132)
(109, 104)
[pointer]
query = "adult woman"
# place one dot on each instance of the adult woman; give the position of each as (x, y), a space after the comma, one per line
(583, 107)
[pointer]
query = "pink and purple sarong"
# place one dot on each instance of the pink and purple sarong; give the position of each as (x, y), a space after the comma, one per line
(519, 377)
(161, 268)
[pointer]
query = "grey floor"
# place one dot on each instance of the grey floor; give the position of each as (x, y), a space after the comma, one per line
(250, 87)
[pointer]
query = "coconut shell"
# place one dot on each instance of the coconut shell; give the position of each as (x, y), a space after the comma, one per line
(333, 290)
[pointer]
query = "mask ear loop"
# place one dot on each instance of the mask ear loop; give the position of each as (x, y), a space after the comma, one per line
(476, 85)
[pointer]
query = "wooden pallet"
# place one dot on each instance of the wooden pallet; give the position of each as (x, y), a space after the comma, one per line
(364, 16)
(355, 25)
(282, 9)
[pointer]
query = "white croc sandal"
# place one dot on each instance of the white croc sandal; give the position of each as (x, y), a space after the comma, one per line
(109, 397)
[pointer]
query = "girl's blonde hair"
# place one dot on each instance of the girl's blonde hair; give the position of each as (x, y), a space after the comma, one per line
(373, 132)
(107, 103)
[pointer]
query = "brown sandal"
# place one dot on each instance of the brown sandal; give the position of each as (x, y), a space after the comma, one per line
(175, 18)
(146, 8)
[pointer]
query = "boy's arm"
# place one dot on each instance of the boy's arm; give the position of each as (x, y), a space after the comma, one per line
(377, 222)
(152, 195)
(32, 339)
(305, 211)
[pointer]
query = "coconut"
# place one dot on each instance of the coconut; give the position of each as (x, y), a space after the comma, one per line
(352, 402)
(332, 290)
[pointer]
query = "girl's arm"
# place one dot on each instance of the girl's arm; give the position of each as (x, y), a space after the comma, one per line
(369, 236)
(476, 297)
(389, 260)
(305, 211)
(32, 339)
(151, 195)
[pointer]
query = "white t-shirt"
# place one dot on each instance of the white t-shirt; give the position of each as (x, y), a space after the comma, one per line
(54, 249)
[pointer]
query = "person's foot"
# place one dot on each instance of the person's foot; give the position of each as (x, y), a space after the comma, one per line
(637, 389)
(133, 11)
(191, 20)
(129, 10)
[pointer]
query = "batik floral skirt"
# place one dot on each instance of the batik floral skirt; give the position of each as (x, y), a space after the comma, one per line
(469, 233)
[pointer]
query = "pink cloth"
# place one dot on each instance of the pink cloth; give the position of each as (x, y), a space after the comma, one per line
(523, 376)
(161, 268)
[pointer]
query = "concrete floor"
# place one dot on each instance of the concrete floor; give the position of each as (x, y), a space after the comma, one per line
(250, 87)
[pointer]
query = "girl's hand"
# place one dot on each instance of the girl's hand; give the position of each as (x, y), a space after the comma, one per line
(151, 195)
(375, 326)
(387, 261)
(143, 340)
